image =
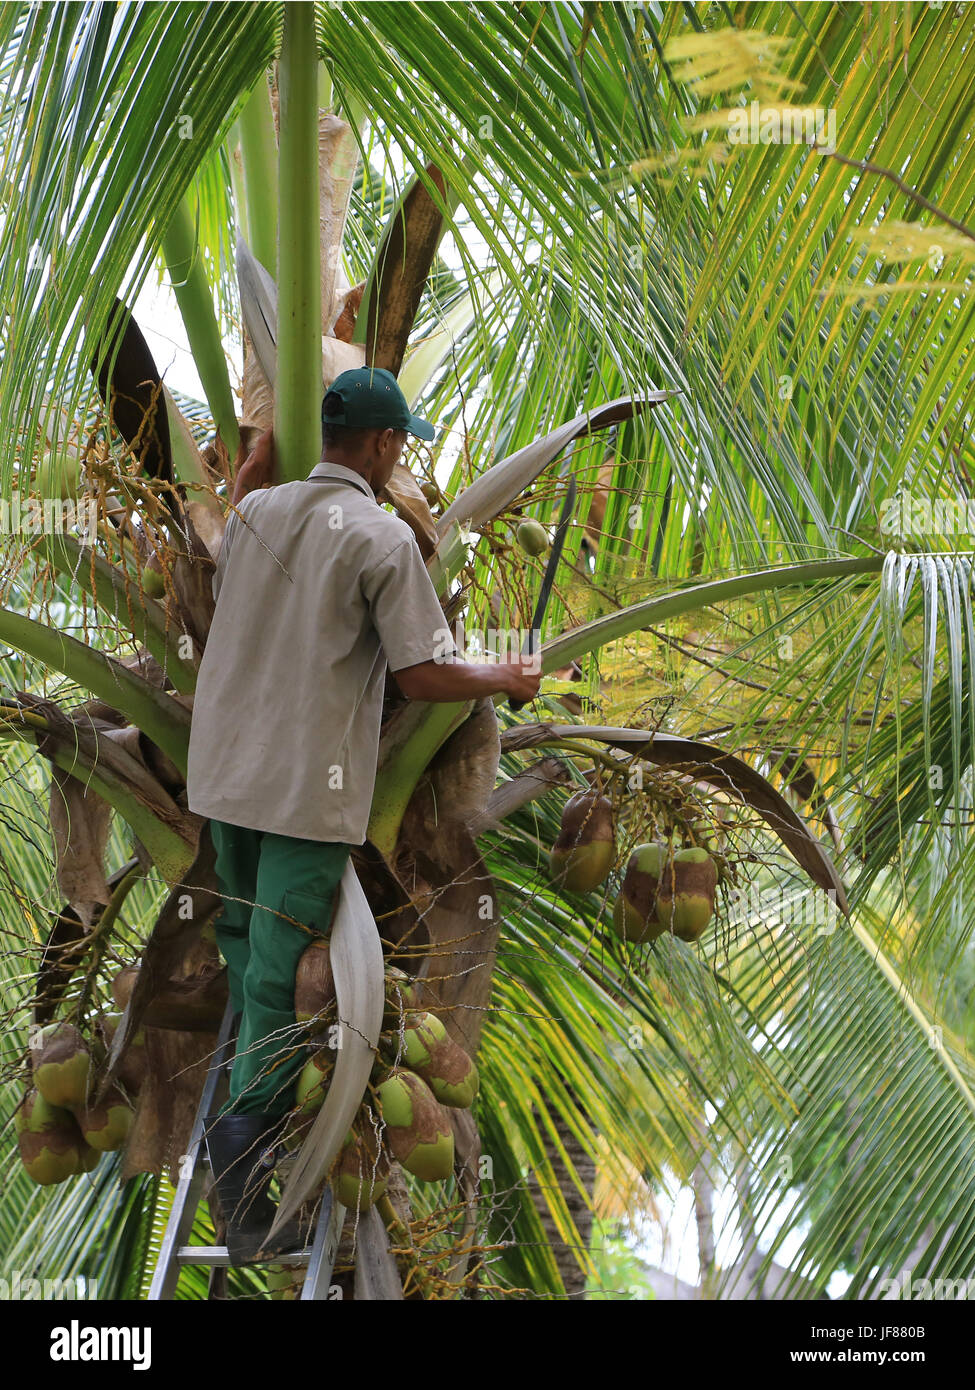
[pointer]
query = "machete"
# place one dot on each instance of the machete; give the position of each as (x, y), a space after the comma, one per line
(549, 578)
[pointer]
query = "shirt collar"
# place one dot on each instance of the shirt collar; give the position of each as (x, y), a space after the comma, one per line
(346, 475)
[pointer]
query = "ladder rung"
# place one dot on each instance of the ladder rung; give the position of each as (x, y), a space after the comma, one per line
(216, 1256)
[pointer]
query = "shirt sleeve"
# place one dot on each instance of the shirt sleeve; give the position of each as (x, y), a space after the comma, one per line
(405, 610)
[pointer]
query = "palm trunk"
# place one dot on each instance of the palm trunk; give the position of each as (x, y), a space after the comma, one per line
(567, 1257)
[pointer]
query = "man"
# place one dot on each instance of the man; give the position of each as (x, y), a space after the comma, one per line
(318, 589)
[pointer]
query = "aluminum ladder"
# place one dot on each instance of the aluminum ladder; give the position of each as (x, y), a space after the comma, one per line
(175, 1253)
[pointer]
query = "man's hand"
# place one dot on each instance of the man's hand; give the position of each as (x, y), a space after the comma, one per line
(258, 470)
(522, 678)
(445, 681)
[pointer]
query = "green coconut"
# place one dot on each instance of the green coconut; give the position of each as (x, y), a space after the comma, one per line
(417, 1132)
(453, 1077)
(430, 491)
(532, 537)
(51, 1146)
(362, 1173)
(153, 581)
(35, 1115)
(50, 1158)
(402, 997)
(106, 1124)
(422, 1032)
(88, 1158)
(685, 898)
(314, 985)
(585, 850)
(313, 1082)
(58, 479)
(635, 911)
(62, 1065)
(443, 1064)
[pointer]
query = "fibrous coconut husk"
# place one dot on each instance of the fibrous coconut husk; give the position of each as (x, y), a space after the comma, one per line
(208, 524)
(258, 397)
(192, 572)
(80, 823)
(194, 1004)
(177, 1065)
(403, 491)
(338, 156)
(344, 325)
(176, 1061)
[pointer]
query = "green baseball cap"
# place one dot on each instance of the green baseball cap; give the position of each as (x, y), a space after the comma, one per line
(372, 399)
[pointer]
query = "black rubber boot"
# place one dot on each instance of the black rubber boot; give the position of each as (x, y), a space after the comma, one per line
(243, 1151)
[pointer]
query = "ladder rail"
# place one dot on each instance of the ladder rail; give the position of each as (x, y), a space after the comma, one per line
(189, 1189)
(318, 1278)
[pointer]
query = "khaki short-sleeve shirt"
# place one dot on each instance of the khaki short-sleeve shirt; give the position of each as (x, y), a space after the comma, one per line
(317, 589)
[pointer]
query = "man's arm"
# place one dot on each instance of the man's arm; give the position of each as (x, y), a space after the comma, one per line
(258, 470)
(442, 682)
(420, 650)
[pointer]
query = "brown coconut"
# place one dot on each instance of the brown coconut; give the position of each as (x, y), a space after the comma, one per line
(685, 898)
(635, 913)
(585, 850)
(314, 984)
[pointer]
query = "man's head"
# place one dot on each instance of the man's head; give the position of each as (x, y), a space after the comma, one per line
(365, 421)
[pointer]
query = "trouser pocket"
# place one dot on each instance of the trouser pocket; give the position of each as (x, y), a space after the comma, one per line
(311, 911)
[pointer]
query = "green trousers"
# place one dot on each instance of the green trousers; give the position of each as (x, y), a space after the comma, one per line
(278, 893)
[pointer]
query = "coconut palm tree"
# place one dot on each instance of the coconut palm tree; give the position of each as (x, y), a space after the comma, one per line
(742, 353)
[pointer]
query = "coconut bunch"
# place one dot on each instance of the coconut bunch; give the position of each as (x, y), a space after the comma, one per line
(60, 1131)
(420, 1073)
(663, 889)
(666, 890)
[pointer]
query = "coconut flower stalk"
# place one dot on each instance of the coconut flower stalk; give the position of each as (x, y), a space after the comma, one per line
(298, 394)
(184, 261)
(259, 173)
